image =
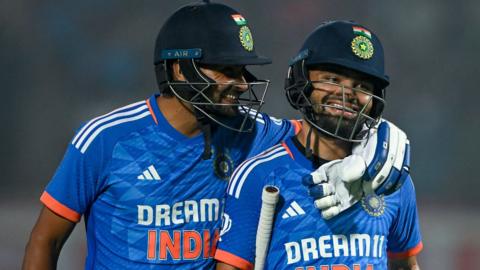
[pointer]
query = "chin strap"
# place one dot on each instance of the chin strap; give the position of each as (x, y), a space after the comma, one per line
(205, 125)
(207, 135)
(308, 151)
(193, 74)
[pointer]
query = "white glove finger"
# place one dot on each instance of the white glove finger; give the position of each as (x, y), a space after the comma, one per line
(322, 174)
(321, 190)
(326, 202)
(330, 212)
(319, 176)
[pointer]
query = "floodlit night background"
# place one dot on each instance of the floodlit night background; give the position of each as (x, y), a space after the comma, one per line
(64, 62)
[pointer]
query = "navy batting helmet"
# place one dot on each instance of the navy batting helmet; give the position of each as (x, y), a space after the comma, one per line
(339, 45)
(210, 35)
(215, 34)
(207, 33)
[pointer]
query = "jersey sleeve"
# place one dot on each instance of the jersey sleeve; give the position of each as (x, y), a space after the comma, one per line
(240, 219)
(404, 239)
(75, 183)
(272, 131)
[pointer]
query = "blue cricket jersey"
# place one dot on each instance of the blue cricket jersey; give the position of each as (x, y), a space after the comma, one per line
(148, 198)
(361, 238)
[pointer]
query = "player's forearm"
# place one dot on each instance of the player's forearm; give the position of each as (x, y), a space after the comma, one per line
(224, 266)
(409, 263)
(41, 254)
(46, 240)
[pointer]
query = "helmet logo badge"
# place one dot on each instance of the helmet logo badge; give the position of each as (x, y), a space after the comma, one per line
(246, 38)
(362, 47)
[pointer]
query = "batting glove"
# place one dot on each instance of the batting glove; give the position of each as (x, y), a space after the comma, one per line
(380, 164)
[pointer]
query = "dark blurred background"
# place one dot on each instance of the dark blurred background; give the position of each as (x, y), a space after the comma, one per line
(64, 62)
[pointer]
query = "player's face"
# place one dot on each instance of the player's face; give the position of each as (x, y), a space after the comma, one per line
(339, 96)
(230, 85)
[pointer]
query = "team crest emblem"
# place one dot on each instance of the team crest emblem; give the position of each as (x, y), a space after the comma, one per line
(362, 47)
(246, 38)
(373, 204)
(223, 165)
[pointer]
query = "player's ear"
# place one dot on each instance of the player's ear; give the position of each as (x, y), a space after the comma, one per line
(177, 72)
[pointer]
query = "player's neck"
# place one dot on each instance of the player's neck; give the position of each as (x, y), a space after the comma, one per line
(323, 146)
(178, 115)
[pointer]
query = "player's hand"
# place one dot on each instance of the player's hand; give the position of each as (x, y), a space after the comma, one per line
(336, 185)
(379, 164)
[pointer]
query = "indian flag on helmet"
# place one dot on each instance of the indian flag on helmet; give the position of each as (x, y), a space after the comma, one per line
(362, 32)
(239, 19)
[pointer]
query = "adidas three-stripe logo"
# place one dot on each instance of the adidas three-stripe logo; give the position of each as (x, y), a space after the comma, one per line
(293, 210)
(149, 174)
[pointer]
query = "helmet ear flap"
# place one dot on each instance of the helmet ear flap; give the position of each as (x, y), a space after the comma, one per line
(378, 106)
(290, 90)
(163, 76)
(297, 85)
(249, 77)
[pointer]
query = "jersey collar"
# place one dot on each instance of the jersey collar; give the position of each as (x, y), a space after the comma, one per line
(299, 156)
(166, 127)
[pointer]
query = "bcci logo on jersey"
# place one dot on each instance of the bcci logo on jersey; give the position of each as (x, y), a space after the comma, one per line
(373, 204)
(223, 165)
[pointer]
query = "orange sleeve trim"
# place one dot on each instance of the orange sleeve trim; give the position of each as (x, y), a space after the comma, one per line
(409, 253)
(58, 208)
(233, 260)
(151, 111)
(288, 149)
(297, 125)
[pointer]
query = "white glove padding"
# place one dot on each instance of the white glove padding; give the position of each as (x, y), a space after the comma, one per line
(386, 152)
(335, 186)
(381, 161)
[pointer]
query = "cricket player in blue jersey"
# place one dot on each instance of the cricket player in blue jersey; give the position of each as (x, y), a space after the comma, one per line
(149, 178)
(337, 81)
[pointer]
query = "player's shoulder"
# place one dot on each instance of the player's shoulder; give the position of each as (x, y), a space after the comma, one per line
(262, 119)
(408, 187)
(254, 170)
(406, 192)
(110, 127)
(264, 161)
(270, 130)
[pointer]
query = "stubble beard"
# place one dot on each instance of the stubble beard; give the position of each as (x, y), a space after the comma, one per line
(217, 96)
(329, 122)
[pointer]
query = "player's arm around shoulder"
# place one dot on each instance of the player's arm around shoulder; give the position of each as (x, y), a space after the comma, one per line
(46, 240)
(274, 130)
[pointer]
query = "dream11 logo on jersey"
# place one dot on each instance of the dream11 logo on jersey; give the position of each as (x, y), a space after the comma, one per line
(180, 244)
(335, 246)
